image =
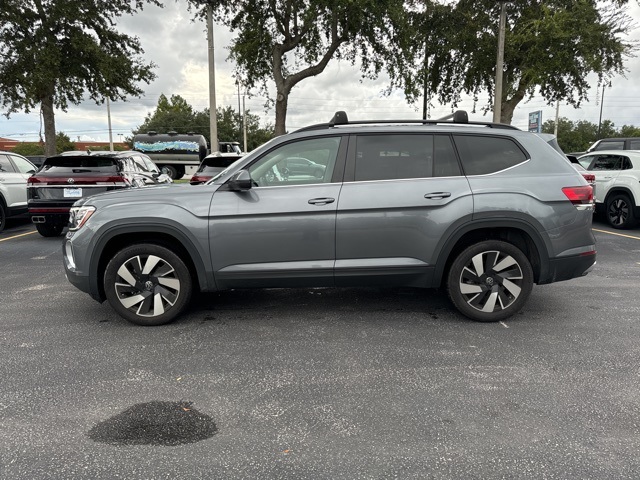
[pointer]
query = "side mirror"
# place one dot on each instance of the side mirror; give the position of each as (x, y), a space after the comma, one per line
(240, 181)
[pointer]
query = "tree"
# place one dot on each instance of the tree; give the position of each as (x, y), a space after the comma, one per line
(287, 41)
(54, 52)
(64, 143)
(29, 149)
(550, 47)
(176, 114)
(629, 131)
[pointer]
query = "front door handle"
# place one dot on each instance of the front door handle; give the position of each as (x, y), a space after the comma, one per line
(321, 201)
(437, 195)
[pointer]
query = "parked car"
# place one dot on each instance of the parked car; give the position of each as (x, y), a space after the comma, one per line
(618, 185)
(65, 178)
(14, 172)
(212, 165)
(484, 209)
(627, 143)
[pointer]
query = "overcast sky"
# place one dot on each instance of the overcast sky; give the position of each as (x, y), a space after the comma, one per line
(179, 48)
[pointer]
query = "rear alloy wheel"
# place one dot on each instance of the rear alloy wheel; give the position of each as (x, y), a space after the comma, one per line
(49, 229)
(620, 211)
(147, 284)
(490, 281)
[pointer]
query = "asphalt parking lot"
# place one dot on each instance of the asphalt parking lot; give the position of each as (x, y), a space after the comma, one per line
(319, 383)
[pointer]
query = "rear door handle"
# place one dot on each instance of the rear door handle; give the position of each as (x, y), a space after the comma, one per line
(437, 195)
(321, 201)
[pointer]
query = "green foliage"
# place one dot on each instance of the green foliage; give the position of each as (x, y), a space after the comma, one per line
(64, 143)
(629, 131)
(55, 52)
(580, 135)
(28, 149)
(286, 41)
(550, 47)
(176, 114)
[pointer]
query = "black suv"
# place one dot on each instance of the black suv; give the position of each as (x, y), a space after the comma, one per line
(65, 178)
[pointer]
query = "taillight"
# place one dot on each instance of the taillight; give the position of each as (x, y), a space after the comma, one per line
(589, 177)
(582, 195)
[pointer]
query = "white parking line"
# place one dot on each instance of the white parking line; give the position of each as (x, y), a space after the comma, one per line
(613, 233)
(16, 236)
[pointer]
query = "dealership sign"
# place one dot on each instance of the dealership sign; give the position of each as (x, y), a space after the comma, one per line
(535, 121)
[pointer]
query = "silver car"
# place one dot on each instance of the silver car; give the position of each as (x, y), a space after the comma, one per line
(485, 210)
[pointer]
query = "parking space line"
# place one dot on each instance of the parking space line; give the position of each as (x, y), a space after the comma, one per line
(16, 236)
(613, 233)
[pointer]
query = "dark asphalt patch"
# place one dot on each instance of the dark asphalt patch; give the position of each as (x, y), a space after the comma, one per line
(155, 423)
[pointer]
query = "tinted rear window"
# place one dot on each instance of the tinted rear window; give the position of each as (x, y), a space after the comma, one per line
(481, 155)
(75, 164)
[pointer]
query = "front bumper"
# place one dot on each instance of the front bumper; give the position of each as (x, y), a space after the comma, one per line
(77, 278)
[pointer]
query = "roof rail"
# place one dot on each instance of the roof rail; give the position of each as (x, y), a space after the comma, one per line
(459, 117)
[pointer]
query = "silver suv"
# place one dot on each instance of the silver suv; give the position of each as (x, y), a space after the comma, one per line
(485, 210)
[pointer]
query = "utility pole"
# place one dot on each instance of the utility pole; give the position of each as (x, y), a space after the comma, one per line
(244, 123)
(240, 117)
(109, 122)
(425, 104)
(213, 111)
(555, 127)
(497, 98)
(601, 105)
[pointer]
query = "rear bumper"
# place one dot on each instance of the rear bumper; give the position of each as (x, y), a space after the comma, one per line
(566, 268)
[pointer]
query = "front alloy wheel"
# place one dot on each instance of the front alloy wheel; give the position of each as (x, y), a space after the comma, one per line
(490, 281)
(147, 284)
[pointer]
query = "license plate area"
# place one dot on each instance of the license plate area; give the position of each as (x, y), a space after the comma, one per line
(72, 192)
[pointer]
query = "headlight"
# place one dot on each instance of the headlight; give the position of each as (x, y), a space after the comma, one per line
(79, 215)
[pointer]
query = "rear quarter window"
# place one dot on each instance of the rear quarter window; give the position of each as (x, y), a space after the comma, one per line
(482, 155)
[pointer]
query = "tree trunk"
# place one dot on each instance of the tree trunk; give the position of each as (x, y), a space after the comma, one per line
(48, 118)
(282, 101)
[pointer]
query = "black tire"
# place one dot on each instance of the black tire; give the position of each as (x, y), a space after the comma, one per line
(179, 172)
(49, 229)
(170, 170)
(620, 211)
(490, 281)
(155, 297)
(3, 217)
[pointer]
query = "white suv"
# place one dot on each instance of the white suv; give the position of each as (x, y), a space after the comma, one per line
(617, 175)
(14, 172)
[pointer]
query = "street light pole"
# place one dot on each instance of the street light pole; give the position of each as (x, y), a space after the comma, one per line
(497, 100)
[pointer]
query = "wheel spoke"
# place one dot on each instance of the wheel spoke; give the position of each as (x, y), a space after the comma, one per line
(478, 264)
(504, 263)
(125, 274)
(491, 302)
(131, 301)
(158, 306)
(172, 283)
(151, 262)
(511, 287)
(467, 289)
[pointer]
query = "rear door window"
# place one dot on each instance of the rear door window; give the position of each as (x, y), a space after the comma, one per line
(607, 162)
(394, 157)
(482, 155)
(634, 145)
